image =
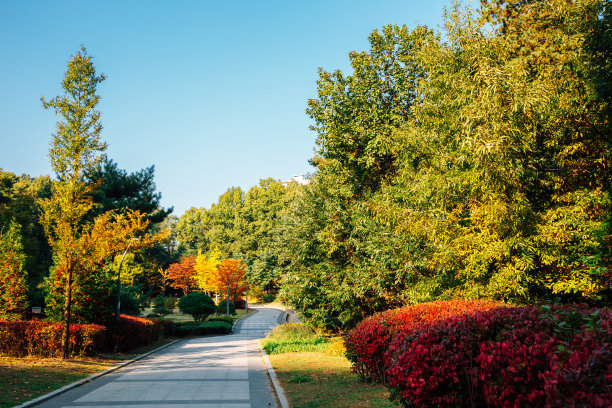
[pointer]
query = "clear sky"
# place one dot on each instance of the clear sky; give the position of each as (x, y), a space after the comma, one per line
(213, 93)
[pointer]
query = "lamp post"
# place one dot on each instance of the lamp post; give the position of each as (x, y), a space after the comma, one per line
(118, 312)
(246, 301)
(228, 288)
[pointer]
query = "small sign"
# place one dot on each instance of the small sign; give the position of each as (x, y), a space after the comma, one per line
(37, 310)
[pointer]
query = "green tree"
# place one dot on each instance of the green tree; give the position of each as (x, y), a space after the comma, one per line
(470, 164)
(117, 190)
(198, 305)
(13, 277)
(20, 202)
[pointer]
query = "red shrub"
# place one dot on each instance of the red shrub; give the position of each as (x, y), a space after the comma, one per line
(506, 357)
(368, 343)
(39, 338)
(133, 331)
(562, 358)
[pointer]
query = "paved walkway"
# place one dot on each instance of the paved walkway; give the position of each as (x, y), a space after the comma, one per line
(206, 372)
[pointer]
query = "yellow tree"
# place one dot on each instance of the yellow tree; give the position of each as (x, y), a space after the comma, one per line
(80, 245)
(206, 267)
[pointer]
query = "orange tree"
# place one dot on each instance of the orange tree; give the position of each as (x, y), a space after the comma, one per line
(229, 275)
(182, 274)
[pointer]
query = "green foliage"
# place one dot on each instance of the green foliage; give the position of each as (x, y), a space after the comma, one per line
(93, 296)
(13, 277)
(160, 305)
(133, 300)
(76, 147)
(221, 308)
(242, 226)
(20, 201)
(117, 190)
(469, 164)
(217, 318)
(293, 337)
(183, 329)
(198, 305)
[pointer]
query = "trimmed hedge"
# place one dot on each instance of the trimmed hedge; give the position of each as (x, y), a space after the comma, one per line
(552, 356)
(38, 338)
(133, 331)
(185, 329)
(367, 344)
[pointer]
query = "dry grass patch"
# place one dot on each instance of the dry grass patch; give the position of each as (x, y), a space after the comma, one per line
(23, 379)
(319, 380)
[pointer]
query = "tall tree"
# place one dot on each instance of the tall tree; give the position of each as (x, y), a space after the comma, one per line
(80, 246)
(76, 148)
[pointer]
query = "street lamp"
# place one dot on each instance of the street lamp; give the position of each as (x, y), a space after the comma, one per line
(228, 288)
(119, 278)
(246, 302)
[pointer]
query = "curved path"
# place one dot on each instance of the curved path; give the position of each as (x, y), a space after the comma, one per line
(205, 372)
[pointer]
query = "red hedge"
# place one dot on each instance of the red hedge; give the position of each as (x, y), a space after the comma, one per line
(367, 344)
(133, 331)
(35, 337)
(507, 357)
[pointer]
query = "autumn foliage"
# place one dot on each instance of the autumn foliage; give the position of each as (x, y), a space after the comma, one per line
(133, 331)
(38, 338)
(182, 274)
(230, 272)
(92, 294)
(369, 342)
(558, 356)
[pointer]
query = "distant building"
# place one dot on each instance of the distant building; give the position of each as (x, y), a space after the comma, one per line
(299, 179)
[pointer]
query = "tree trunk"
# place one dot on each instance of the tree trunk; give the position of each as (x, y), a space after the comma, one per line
(67, 304)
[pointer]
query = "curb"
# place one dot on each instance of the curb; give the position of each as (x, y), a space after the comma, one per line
(277, 387)
(75, 384)
(241, 319)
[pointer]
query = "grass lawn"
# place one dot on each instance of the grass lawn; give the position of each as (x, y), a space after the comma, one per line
(23, 379)
(318, 380)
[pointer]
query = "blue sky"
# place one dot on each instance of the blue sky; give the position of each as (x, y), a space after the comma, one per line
(212, 93)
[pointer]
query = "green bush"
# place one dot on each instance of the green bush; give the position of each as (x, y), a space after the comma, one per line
(160, 305)
(198, 305)
(293, 337)
(222, 308)
(184, 329)
(227, 319)
(133, 300)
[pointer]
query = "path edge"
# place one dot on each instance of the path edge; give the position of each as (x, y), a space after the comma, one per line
(280, 393)
(241, 319)
(92, 377)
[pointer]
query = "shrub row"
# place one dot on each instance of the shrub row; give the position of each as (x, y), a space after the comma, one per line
(35, 337)
(559, 356)
(133, 331)
(185, 329)
(368, 343)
